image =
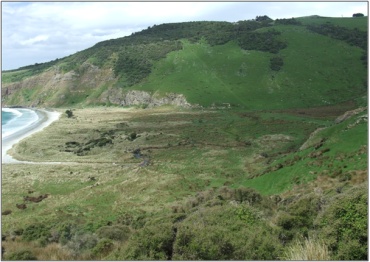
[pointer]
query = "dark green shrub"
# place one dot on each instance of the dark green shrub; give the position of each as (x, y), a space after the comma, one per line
(203, 243)
(69, 113)
(250, 195)
(344, 225)
(217, 242)
(286, 221)
(287, 21)
(266, 41)
(65, 231)
(152, 242)
(116, 232)
(358, 15)
(261, 243)
(246, 214)
(103, 248)
(21, 255)
(298, 217)
(223, 233)
(35, 232)
(276, 63)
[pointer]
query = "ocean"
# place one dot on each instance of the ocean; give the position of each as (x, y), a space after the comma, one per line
(14, 120)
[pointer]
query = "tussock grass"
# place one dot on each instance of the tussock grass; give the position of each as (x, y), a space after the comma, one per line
(309, 249)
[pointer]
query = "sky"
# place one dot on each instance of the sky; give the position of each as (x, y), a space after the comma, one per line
(37, 32)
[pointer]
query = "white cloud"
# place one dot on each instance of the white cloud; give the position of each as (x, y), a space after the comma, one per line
(36, 39)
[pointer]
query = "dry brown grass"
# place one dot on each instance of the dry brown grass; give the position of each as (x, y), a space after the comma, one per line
(53, 251)
(309, 249)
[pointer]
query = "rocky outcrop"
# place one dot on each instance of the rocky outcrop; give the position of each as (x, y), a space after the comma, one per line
(316, 141)
(348, 114)
(55, 87)
(136, 97)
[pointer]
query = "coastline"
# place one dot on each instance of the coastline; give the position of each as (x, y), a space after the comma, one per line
(45, 118)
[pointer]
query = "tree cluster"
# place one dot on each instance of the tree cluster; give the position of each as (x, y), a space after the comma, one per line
(276, 63)
(289, 21)
(266, 41)
(358, 15)
(351, 36)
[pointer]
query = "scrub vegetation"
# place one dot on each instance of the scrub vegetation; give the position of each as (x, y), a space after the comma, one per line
(190, 184)
(270, 162)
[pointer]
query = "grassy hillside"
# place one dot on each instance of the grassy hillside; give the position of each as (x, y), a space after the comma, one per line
(285, 63)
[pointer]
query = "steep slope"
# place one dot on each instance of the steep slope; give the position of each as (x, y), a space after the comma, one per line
(256, 64)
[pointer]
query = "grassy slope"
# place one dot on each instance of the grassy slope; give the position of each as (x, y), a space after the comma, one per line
(311, 76)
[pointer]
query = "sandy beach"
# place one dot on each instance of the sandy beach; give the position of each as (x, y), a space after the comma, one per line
(45, 118)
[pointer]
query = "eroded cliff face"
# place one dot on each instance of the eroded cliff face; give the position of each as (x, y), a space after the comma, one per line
(88, 84)
(135, 97)
(52, 87)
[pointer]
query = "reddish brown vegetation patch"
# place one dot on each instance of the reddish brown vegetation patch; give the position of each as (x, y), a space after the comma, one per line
(331, 111)
(6, 212)
(35, 199)
(21, 206)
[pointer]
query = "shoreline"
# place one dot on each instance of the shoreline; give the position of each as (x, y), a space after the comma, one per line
(45, 118)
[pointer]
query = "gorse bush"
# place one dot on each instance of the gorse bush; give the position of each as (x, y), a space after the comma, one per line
(116, 232)
(351, 36)
(276, 63)
(21, 255)
(344, 225)
(152, 242)
(103, 248)
(266, 41)
(38, 232)
(297, 217)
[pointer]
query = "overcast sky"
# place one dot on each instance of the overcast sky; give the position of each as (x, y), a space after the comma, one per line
(36, 32)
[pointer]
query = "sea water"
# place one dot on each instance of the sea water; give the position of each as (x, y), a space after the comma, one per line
(14, 120)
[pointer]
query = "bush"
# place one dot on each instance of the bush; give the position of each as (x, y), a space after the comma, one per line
(249, 195)
(203, 243)
(69, 113)
(64, 232)
(276, 63)
(223, 233)
(103, 248)
(21, 255)
(82, 241)
(36, 232)
(215, 242)
(152, 242)
(261, 243)
(344, 225)
(358, 15)
(117, 232)
(266, 41)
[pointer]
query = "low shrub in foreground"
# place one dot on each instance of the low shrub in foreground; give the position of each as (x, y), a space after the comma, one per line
(344, 225)
(21, 255)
